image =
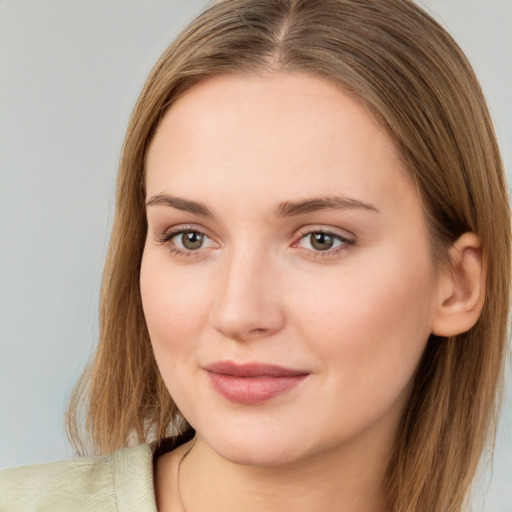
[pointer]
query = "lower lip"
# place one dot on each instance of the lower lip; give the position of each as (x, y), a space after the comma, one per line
(253, 390)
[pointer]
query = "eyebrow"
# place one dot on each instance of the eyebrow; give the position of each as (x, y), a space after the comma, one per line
(285, 209)
(180, 204)
(288, 208)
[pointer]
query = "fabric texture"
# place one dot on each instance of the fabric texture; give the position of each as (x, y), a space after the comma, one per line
(120, 482)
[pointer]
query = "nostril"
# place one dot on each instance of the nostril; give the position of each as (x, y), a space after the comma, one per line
(249, 321)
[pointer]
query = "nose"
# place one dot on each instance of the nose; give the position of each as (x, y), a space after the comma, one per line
(249, 304)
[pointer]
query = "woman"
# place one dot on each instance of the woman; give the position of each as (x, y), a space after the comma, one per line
(306, 295)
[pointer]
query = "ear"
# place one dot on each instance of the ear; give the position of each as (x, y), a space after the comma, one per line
(461, 290)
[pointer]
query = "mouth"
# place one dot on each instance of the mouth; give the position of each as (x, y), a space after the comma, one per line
(252, 383)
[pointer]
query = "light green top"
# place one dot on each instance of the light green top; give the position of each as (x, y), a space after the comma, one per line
(120, 482)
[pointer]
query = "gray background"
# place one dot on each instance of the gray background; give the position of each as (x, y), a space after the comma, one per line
(70, 72)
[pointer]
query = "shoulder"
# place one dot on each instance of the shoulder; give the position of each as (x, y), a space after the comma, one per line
(121, 481)
(65, 485)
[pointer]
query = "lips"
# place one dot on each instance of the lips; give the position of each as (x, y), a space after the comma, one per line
(252, 383)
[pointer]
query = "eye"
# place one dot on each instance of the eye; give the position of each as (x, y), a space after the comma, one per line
(324, 242)
(321, 241)
(189, 240)
(184, 241)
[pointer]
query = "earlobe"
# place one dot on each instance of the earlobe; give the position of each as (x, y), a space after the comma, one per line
(461, 291)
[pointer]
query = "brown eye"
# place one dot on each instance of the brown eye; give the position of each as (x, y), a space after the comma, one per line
(321, 241)
(191, 240)
(186, 241)
(324, 242)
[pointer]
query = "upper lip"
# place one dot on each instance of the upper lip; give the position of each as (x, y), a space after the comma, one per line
(252, 370)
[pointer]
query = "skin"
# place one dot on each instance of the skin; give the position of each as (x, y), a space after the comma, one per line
(356, 318)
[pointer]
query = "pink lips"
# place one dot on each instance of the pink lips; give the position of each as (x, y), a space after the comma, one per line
(252, 383)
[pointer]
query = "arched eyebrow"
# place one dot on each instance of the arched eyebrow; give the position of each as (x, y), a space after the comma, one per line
(285, 209)
(290, 208)
(180, 204)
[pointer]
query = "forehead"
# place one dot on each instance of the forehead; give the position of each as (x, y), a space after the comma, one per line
(284, 133)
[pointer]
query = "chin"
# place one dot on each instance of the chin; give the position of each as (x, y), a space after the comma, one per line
(257, 455)
(263, 447)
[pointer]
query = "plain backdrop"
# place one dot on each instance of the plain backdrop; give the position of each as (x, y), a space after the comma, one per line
(70, 72)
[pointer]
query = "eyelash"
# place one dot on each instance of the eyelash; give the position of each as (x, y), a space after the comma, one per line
(165, 238)
(346, 243)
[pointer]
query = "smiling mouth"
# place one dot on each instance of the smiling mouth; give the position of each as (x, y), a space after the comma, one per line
(252, 383)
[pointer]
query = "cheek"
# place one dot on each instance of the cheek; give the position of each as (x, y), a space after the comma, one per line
(175, 306)
(367, 331)
(369, 323)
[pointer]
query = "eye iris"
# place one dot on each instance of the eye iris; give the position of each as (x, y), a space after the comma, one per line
(321, 241)
(192, 240)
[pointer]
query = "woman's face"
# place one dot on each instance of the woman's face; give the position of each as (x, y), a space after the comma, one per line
(286, 280)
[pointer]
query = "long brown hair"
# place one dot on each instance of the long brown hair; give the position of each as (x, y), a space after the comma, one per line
(417, 83)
